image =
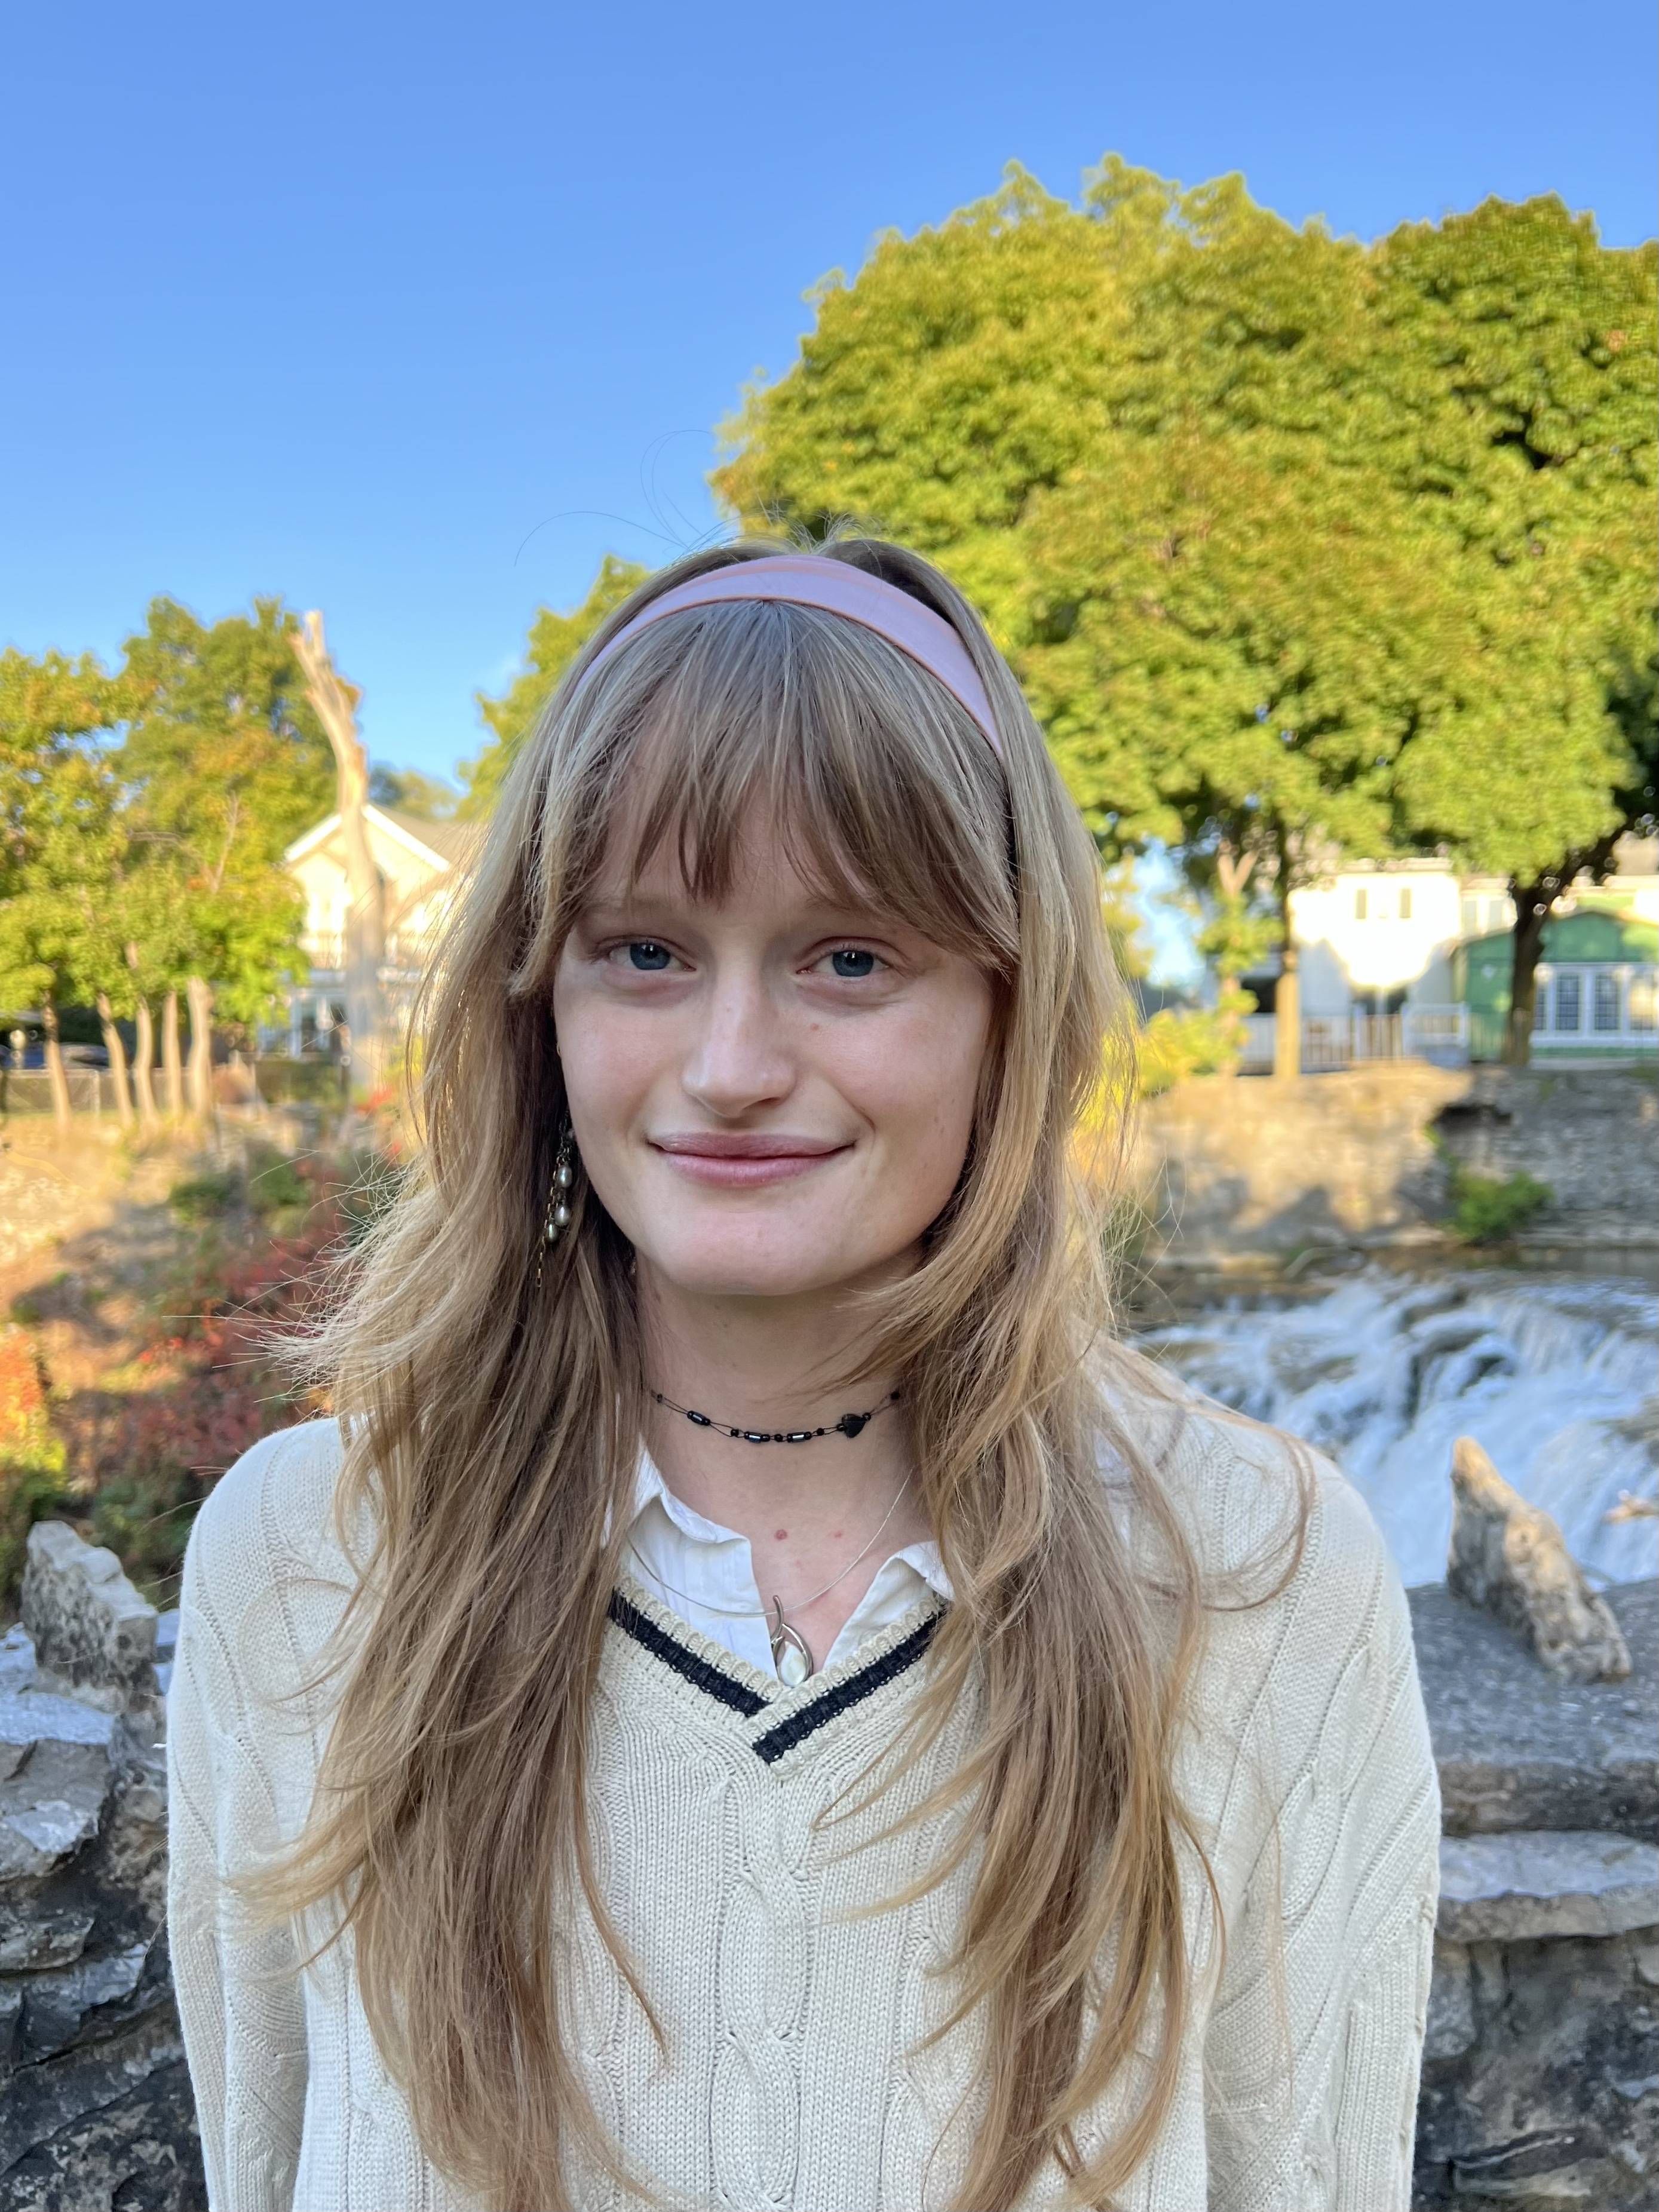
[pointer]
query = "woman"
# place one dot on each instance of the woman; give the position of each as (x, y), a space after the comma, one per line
(758, 1701)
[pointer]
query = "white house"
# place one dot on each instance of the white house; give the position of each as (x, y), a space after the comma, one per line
(1375, 943)
(420, 863)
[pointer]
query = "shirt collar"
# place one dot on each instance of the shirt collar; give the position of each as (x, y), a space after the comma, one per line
(650, 1489)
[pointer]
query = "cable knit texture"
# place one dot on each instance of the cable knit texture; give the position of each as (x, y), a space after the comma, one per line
(798, 2072)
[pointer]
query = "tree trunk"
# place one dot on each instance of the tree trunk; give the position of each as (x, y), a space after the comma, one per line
(200, 1046)
(55, 1076)
(1288, 999)
(118, 1062)
(1287, 1019)
(1233, 870)
(173, 1071)
(365, 944)
(1533, 904)
(143, 1068)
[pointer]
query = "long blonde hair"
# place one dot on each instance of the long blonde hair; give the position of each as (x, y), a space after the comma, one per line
(492, 1409)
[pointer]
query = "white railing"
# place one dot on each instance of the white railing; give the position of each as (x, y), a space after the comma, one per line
(1440, 1034)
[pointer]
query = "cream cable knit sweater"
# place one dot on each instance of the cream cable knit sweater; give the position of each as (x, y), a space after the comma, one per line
(796, 2074)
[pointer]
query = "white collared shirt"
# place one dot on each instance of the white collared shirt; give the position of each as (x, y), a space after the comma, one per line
(706, 1574)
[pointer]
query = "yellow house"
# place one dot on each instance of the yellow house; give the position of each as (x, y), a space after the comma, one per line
(421, 864)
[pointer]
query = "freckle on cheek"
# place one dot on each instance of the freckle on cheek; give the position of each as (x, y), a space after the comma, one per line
(780, 1533)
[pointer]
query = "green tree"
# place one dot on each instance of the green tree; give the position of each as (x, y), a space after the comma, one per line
(225, 763)
(1520, 353)
(554, 642)
(61, 838)
(1244, 639)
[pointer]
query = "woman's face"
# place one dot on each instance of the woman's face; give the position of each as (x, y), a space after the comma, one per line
(772, 1097)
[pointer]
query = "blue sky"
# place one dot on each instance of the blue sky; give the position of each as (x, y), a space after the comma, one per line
(412, 312)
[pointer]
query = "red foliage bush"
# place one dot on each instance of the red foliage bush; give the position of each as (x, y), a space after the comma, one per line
(147, 1446)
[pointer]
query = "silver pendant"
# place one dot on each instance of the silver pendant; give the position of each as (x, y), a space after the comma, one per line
(790, 1653)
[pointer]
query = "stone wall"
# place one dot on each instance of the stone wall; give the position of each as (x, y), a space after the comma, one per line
(1540, 2080)
(1540, 2073)
(96, 2114)
(1245, 1168)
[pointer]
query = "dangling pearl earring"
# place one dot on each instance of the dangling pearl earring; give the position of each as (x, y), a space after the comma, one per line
(558, 1214)
(558, 1197)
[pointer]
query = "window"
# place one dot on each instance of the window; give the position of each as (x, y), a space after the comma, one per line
(1406, 903)
(1497, 914)
(1471, 917)
(1359, 904)
(1643, 994)
(1540, 1007)
(1607, 995)
(1569, 990)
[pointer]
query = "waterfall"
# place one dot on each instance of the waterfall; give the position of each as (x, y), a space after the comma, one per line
(1555, 1378)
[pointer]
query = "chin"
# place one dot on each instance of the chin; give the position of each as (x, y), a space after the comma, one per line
(715, 1269)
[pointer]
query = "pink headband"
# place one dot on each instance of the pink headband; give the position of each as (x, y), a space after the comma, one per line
(809, 580)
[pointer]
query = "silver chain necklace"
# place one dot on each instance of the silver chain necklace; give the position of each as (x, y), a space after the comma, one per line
(792, 1655)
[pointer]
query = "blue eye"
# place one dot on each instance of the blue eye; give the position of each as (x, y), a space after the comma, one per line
(653, 958)
(852, 963)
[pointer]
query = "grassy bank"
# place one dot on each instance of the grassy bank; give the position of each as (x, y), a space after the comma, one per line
(136, 1359)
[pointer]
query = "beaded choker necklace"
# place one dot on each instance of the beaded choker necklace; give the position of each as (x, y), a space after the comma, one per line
(850, 1424)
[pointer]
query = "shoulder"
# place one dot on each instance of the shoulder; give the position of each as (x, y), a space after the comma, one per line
(1307, 1633)
(264, 1550)
(1261, 1510)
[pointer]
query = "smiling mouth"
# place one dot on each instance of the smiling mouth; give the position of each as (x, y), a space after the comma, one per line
(731, 1160)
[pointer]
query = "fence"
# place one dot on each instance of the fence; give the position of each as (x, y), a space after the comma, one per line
(28, 1091)
(1440, 1034)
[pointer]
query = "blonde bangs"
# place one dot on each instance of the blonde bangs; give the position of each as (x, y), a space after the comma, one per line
(879, 787)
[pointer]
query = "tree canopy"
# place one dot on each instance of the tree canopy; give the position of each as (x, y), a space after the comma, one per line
(1298, 546)
(224, 763)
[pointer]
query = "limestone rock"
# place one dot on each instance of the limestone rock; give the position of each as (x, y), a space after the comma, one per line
(1518, 1747)
(89, 1626)
(95, 2113)
(1509, 1558)
(1523, 1887)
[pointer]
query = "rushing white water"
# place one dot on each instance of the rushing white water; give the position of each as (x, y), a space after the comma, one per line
(1555, 1378)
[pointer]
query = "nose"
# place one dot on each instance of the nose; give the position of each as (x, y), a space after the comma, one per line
(740, 1058)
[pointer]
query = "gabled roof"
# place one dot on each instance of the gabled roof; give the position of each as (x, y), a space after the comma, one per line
(443, 845)
(1588, 933)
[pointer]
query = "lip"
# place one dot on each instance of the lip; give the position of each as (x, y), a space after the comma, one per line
(744, 1159)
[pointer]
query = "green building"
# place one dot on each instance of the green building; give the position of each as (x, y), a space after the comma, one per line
(1598, 985)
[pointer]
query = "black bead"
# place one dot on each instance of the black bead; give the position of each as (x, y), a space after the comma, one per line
(701, 1420)
(850, 1423)
(799, 1437)
(755, 1436)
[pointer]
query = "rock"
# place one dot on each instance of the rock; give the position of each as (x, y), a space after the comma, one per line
(102, 2129)
(1532, 2110)
(1510, 1559)
(89, 1626)
(1519, 1748)
(1523, 1887)
(95, 2111)
(56, 1768)
(58, 2007)
(1451, 2004)
(42, 1935)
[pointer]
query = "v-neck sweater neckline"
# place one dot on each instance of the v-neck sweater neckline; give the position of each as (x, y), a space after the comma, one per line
(774, 1716)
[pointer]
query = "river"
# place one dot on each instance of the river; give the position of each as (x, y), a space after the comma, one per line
(1555, 1374)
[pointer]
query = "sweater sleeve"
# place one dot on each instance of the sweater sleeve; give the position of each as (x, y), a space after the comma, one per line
(1314, 2044)
(241, 2000)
